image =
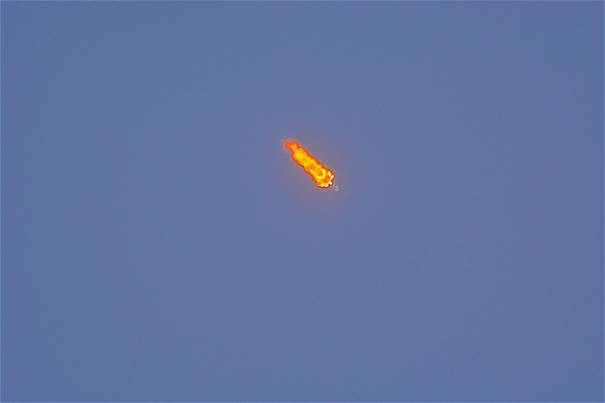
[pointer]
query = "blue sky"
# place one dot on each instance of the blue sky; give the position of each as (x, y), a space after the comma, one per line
(158, 244)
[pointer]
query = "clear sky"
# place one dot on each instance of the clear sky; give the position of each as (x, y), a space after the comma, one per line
(158, 244)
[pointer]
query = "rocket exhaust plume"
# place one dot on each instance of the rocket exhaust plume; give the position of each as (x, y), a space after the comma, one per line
(321, 175)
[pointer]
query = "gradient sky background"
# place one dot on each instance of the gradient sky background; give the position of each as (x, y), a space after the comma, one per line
(158, 244)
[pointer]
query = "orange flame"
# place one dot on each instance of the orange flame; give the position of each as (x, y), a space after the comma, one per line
(321, 175)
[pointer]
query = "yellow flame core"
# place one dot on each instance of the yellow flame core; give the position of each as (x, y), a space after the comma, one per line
(321, 175)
